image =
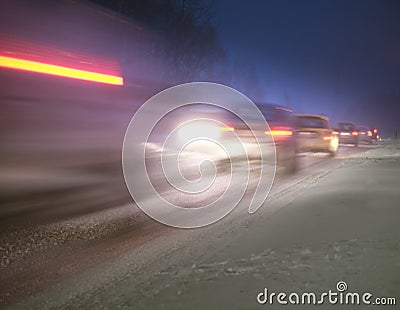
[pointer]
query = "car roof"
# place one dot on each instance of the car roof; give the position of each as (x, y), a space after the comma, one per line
(272, 105)
(313, 116)
(346, 123)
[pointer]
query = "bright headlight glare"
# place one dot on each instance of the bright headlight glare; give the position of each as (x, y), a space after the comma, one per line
(198, 130)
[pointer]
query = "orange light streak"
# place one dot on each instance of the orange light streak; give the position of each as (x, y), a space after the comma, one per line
(279, 133)
(40, 67)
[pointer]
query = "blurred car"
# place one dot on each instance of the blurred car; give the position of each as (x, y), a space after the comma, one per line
(174, 130)
(364, 135)
(280, 121)
(196, 120)
(348, 133)
(314, 133)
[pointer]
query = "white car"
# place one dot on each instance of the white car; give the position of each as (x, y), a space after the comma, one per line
(314, 133)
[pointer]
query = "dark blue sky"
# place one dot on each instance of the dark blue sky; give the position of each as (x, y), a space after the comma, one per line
(333, 57)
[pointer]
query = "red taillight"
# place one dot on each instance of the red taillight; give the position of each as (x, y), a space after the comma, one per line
(369, 133)
(227, 128)
(29, 56)
(335, 132)
(328, 138)
(279, 133)
(355, 133)
(375, 130)
(41, 67)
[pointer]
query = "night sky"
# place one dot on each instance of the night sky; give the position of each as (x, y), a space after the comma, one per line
(340, 58)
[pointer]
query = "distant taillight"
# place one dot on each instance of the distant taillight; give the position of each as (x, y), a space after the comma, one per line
(369, 133)
(335, 132)
(328, 138)
(355, 133)
(375, 130)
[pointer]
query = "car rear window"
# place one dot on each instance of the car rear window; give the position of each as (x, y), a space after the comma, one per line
(346, 126)
(311, 122)
(275, 114)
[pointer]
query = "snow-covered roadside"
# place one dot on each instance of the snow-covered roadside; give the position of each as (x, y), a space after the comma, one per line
(324, 228)
(346, 228)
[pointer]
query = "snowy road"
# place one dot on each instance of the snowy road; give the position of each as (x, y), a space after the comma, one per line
(336, 220)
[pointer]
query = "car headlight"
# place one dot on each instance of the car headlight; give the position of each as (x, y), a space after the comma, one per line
(199, 129)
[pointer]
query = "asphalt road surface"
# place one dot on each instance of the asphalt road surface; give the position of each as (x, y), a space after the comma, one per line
(335, 220)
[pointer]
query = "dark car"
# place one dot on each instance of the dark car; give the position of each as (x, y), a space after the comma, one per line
(280, 121)
(365, 135)
(375, 135)
(348, 133)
